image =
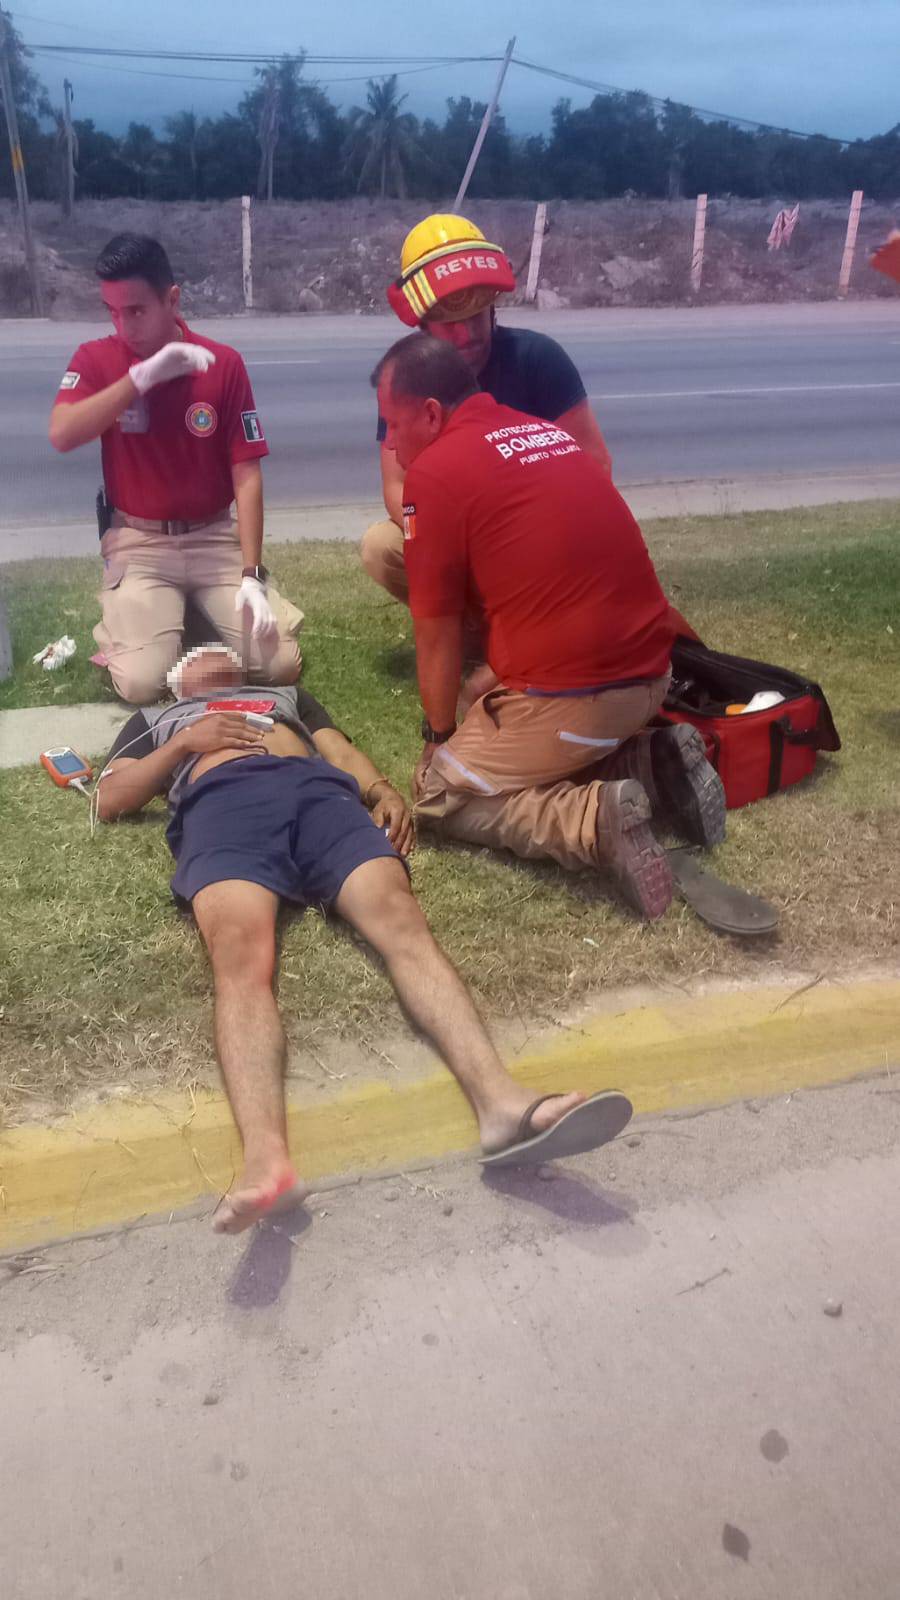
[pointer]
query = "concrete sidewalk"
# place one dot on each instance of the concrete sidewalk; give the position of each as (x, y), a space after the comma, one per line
(89, 729)
(680, 497)
(292, 524)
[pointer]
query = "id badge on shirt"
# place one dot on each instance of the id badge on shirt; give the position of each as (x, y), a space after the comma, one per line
(136, 419)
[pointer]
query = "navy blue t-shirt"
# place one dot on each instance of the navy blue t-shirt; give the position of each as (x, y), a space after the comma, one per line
(530, 372)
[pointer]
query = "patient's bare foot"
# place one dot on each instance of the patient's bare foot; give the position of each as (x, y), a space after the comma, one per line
(501, 1124)
(268, 1185)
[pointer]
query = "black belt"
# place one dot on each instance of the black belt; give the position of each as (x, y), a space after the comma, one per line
(170, 527)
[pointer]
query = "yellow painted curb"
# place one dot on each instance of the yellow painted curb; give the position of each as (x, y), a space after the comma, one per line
(128, 1159)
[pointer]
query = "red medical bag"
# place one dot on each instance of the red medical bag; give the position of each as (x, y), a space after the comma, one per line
(755, 753)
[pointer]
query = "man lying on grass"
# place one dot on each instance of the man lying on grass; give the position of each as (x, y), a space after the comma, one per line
(296, 812)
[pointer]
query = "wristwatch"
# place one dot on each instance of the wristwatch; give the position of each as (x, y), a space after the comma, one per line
(431, 736)
(259, 573)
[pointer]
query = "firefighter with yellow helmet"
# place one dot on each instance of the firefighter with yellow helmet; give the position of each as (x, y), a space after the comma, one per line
(450, 277)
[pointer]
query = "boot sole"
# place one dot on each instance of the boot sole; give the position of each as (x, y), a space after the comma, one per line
(639, 863)
(693, 791)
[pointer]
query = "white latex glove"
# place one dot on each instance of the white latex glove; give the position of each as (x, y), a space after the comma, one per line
(252, 594)
(176, 360)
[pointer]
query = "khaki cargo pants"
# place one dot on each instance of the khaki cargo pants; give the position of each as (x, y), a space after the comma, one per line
(382, 556)
(148, 576)
(516, 775)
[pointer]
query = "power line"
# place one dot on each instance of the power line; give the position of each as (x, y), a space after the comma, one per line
(211, 77)
(148, 72)
(262, 59)
(432, 62)
(69, 27)
(402, 72)
(661, 103)
(403, 65)
(51, 22)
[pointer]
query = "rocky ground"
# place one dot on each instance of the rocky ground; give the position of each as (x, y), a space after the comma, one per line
(338, 256)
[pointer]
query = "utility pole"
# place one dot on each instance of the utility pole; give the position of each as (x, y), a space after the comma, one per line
(71, 145)
(18, 165)
(485, 124)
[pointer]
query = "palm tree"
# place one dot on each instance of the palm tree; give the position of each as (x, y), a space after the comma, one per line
(268, 130)
(182, 130)
(141, 150)
(381, 141)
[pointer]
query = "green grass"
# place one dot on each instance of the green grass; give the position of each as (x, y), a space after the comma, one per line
(101, 982)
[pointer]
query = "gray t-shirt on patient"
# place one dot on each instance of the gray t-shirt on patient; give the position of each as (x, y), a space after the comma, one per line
(149, 730)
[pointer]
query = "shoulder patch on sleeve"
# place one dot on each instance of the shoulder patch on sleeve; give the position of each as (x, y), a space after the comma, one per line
(409, 522)
(70, 380)
(252, 427)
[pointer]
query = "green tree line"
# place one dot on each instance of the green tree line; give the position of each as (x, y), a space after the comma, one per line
(288, 138)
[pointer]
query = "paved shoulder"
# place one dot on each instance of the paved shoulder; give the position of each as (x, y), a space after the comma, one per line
(89, 729)
(620, 1382)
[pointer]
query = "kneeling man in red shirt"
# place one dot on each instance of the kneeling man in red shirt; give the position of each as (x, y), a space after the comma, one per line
(180, 439)
(504, 512)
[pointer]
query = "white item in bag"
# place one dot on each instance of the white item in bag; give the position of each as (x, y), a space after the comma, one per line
(763, 701)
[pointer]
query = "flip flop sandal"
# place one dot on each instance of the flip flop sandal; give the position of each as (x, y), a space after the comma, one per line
(585, 1127)
(722, 905)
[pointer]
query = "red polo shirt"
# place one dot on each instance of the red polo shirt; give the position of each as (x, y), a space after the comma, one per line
(171, 453)
(508, 510)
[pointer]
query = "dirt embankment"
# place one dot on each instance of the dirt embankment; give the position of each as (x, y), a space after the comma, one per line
(338, 256)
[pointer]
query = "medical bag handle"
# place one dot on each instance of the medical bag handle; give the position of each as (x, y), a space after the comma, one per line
(781, 733)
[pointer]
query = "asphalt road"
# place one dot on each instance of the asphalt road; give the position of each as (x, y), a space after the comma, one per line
(621, 1383)
(721, 393)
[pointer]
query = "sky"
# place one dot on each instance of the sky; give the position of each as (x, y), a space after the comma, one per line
(816, 66)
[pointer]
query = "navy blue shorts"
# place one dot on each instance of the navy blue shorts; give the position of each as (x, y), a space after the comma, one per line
(294, 824)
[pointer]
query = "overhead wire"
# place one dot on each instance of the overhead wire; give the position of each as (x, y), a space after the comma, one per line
(16, 15)
(661, 103)
(260, 57)
(210, 77)
(149, 72)
(402, 65)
